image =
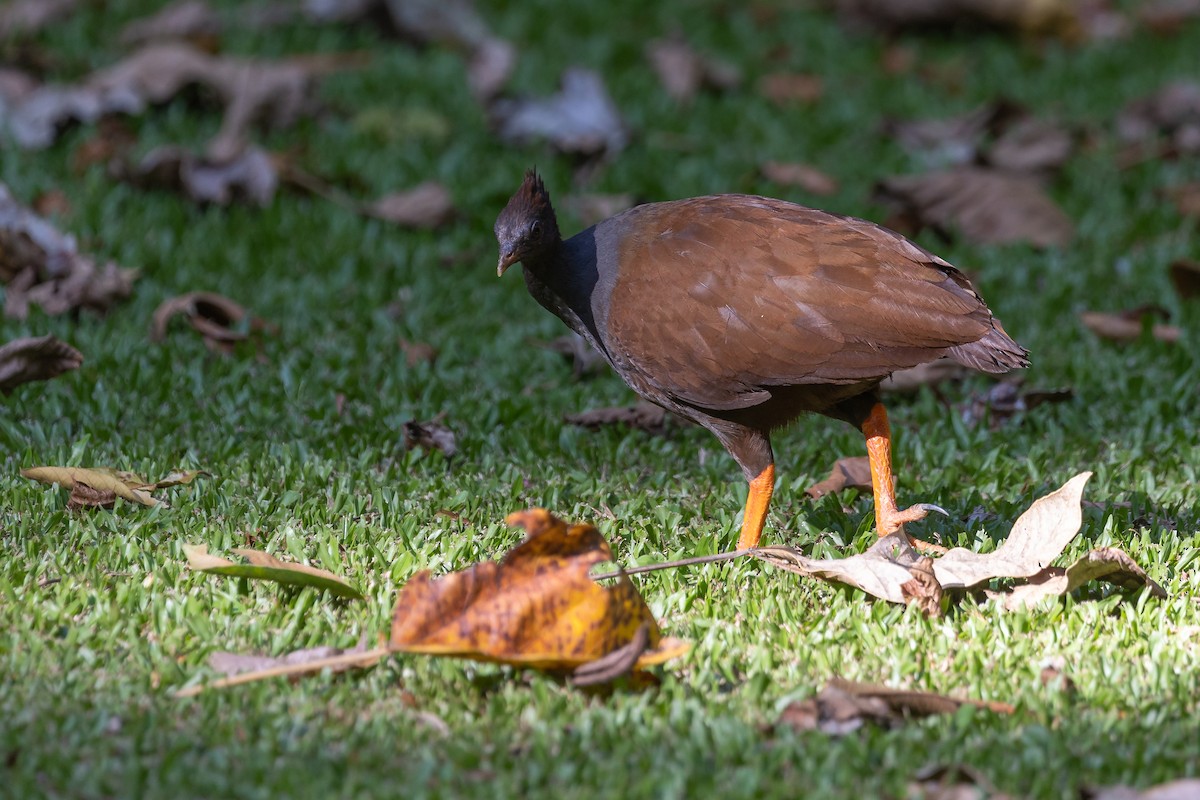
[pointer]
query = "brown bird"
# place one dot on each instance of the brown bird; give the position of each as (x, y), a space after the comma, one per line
(740, 313)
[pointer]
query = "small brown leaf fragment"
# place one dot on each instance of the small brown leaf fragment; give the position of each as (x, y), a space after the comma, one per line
(985, 206)
(112, 140)
(418, 352)
(645, 416)
(1032, 146)
(683, 71)
(581, 118)
(1054, 676)
(1108, 564)
(1170, 115)
(908, 381)
(185, 19)
(923, 589)
(1008, 398)
(1168, 17)
(431, 435)
(1127, 326)
(52, 203)
(35, 359)
(957, 782)
(489, 68)
(788, 88)
(220, 321)
(1185, 277)
(428, 205)
(808, 178)
(537, 607)
(847, 473)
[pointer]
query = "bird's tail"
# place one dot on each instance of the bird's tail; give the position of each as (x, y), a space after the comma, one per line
(996, 352)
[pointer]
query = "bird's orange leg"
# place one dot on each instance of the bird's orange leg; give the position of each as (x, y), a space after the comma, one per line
(757, 503)
(888, 518)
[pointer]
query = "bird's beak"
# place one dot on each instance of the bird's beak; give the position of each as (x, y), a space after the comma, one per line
(507, 259)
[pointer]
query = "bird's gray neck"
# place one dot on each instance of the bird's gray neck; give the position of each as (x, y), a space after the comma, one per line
(563, 280)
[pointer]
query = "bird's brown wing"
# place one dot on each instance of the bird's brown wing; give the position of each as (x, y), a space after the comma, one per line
(719, 299)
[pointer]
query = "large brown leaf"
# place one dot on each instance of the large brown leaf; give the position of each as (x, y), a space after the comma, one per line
(100, 486)
(538, 607)
(35, 359)
(986, 206)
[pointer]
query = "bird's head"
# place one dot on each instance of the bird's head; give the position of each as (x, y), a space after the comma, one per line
(527, 226)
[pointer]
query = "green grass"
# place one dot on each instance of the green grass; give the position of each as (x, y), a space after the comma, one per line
(100, 620)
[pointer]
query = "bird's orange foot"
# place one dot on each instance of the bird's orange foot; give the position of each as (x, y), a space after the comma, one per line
(893, 520)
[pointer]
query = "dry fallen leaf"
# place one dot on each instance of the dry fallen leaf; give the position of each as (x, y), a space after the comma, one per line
(786, 88)
(35, 359)
(101, 480)
(250, 176)
(427, 205)
(264, 566)
(1182, 789)
(40, 266)
(1167, 17)
(893, 571)
(580, 119)
(1106, 563)
(1062, 18)
(248, 669)
(585, 359)
(1170, 115)
(220, 321)
(986, 206)
(844, 706)
(1007, 398)
(805, 176)
(1127, 326)
(27, 17)
(1185, 277)
(683, 72)
(957, 782)
(847, 473)
(907, 381)
(418, 352)
(645, 416)
(185, 19)
(1186, 197)
(538, 607)
(431, 435)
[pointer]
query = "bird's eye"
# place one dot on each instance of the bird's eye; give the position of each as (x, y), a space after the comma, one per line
(536, 228)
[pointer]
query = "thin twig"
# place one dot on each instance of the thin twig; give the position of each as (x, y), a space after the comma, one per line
(683, 562)
(359, 659)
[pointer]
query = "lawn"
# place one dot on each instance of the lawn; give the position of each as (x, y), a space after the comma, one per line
(101, 620)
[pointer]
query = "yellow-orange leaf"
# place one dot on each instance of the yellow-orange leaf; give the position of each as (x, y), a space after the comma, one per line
(538, 607)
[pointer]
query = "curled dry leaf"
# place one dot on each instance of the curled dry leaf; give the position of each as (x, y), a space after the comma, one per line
(787, 88)
(538, 607)
(40, 266)
(264, 566)
(847, 473)
(431, 435)
(808, 178)
(844, 706)
(427, 205)
(580, 119)
(1185, 277)
(251, 176)
(986, 206)
(644, 415)
(683, 72)
(1127, 326)
(220, 321)
(1106, 563)
(35, 359)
